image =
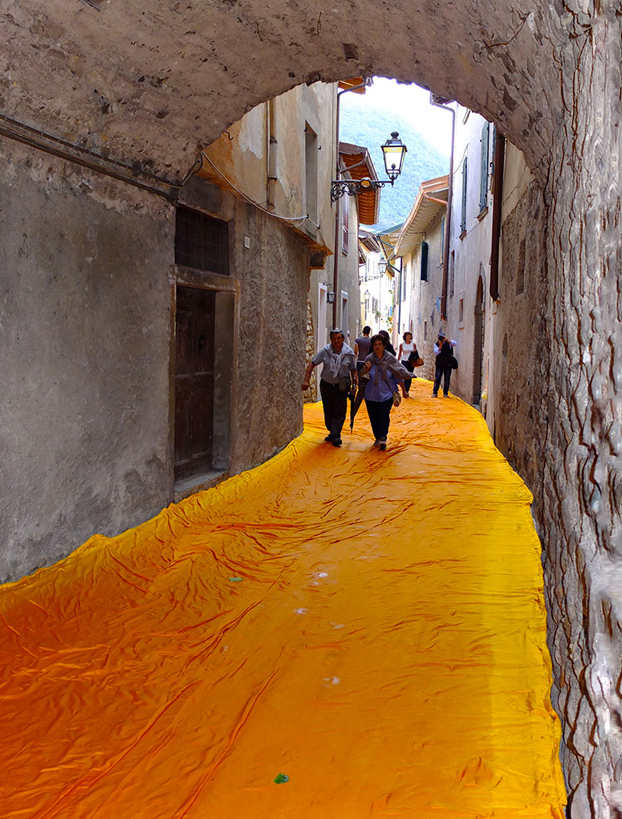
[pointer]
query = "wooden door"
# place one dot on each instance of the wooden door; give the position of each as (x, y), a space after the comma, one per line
(194, 381)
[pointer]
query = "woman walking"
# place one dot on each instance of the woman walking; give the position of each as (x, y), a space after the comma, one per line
(385, 375)
(406, 348)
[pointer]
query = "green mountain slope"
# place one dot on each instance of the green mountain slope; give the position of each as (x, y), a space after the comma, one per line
(362, 125)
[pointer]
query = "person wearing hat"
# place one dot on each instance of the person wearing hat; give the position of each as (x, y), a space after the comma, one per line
(338, 373)
(443, 350)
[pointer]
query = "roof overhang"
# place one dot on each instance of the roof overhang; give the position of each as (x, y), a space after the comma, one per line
(355, 84)
(387, 239)
(370, 242)
(357, 164)
(431, 200)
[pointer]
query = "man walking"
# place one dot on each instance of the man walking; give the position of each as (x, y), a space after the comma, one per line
(337, 374)
(443, 350)
(362, 347)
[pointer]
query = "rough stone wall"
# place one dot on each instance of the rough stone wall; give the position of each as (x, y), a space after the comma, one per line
(558, 410)
(582, 480)
(520, 349)
(312, 394)
(84, 310)
(274, 279)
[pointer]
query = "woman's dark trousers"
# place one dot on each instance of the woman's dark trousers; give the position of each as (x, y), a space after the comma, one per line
(408, 381)
(335, 404)
(379, 412)
(445, 373)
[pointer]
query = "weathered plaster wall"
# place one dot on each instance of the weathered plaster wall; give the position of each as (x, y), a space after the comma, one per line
(471, 250)
(86, 312)
(84, 357)
(241, 155)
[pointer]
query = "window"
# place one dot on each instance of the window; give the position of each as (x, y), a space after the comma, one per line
(442, 253)
(463, 213)
(424, 261)
(483, 185)
(404, 274)
(461, 311)
(425, 330)
(345, 224)
(311, 174)
(201, 241)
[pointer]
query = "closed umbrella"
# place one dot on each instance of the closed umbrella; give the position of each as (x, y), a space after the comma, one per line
(357, 399)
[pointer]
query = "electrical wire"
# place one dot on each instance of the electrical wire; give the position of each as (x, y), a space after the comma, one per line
(252, 201)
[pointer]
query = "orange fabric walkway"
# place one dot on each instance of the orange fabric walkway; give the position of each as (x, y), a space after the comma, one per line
(369, 624)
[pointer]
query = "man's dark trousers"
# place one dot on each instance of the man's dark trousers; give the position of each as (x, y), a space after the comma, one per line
(335, 403)
(445, 374)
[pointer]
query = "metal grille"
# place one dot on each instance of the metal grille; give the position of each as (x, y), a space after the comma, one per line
(201, 242)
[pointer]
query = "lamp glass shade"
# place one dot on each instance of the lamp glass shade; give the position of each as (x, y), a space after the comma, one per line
(393, 150)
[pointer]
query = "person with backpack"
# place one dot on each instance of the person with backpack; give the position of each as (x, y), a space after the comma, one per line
(443, 350)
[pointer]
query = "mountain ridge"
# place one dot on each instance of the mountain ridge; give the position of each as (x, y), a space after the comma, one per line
(363, 124)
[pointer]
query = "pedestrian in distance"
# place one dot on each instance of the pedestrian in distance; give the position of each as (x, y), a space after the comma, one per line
(387, 341)
(381, 393)
(362, 347)
(407, 347)
(338, 374)
(443, 350)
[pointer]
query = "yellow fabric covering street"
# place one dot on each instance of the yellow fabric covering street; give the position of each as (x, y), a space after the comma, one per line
(368, 624)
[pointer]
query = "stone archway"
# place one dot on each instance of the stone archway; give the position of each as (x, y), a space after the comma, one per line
(142, 87)
(150, 85)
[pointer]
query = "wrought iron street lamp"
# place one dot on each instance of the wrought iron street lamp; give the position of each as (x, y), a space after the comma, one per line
(393, 151)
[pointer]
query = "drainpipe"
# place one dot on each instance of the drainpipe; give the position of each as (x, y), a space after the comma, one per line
(449, 198)
(273, 146)
(497, 207)
(399, 303)
(338, 207)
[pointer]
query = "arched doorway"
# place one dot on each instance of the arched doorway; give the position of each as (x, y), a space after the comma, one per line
(478, 342)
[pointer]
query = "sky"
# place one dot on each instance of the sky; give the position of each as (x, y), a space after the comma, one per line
(413, 104)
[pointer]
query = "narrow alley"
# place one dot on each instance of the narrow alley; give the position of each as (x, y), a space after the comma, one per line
(338, 633)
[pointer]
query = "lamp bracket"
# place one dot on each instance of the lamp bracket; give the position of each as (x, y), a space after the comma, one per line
(352, 187)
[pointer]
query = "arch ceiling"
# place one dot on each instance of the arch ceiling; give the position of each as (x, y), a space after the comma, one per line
(147, 83)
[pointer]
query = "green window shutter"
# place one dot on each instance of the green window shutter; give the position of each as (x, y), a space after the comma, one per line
(483, 185)
(424, 261)
(464, 196)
